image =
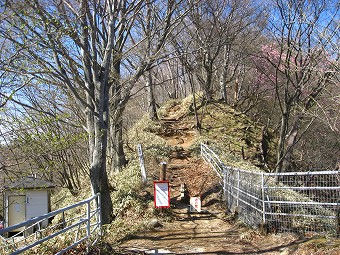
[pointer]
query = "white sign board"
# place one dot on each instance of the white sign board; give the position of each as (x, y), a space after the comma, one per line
(141, 162)
(195, 204)
(161, 194)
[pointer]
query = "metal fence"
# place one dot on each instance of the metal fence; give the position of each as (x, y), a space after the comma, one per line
(286, 202)
(79, 222)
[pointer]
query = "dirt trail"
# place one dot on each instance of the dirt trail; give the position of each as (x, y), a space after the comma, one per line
(208, 232)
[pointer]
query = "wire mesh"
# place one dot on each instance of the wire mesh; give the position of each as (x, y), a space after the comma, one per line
(303, 202)
(243, 195)
(284, 202)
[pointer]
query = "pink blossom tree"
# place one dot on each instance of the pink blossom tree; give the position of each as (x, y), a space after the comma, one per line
(299, 66)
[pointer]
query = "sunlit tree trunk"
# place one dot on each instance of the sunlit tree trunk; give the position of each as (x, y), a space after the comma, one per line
(97, 126)
(152, 107)
(281, 144)
(224, 74)
(151, 97)
(116, 154)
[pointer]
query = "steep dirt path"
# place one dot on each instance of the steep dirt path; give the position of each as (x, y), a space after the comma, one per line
(208, 232)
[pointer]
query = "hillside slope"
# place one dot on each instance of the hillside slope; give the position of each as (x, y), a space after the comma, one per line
(231, 134)
(178, 231)
(185, 232)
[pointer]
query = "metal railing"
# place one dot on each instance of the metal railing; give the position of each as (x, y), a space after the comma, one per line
(81, 221)
(284, 202)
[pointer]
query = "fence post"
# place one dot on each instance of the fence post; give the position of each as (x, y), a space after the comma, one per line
(338, 220)
(88, 226)
(63, 220)
(99, 214)
(263, 201)
(238, 189)
(225, 172)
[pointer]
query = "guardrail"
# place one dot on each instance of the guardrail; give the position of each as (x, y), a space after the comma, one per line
(284, 202)
(81, 227)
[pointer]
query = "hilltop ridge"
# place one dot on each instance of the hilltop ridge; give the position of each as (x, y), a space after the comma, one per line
(242, 141)
(175, 139)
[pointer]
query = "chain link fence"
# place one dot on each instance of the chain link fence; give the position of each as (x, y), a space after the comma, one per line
(286, 202)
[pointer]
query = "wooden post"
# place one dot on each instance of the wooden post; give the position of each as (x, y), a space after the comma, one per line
(162, 173)
(141, 162)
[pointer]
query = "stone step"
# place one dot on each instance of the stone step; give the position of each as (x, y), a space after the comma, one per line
(176, 166)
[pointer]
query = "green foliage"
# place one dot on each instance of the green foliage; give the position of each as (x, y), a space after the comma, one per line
(46, 130)
(127, 185)
(131, 205)
(46, 146)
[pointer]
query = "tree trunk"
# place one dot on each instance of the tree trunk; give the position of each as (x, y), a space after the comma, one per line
(198, 124)
(117, 154)
(281, 143)
(97, 130)
(149, 84)
(208, 84)
(151, 97)
(291, 140)
(224, 74)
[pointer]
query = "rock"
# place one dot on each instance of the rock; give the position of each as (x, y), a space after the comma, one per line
(154, 223)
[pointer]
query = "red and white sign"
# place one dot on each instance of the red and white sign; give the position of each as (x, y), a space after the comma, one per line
(161, 194)
(195, 204)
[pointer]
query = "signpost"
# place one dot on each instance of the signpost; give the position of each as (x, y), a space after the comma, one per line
(141, 161)
(162, 173)
(161, 194)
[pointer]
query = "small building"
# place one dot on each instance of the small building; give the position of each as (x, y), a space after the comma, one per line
(25, 199)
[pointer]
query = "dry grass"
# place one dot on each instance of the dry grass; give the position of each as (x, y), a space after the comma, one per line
(232, 134)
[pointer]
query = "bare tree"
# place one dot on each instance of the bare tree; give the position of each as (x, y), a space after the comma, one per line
(46, 35)
(150, 23)
(81, 46)
(139, 61)
(243, 25)
(303, 69)
(34, 143)
(214, 27)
